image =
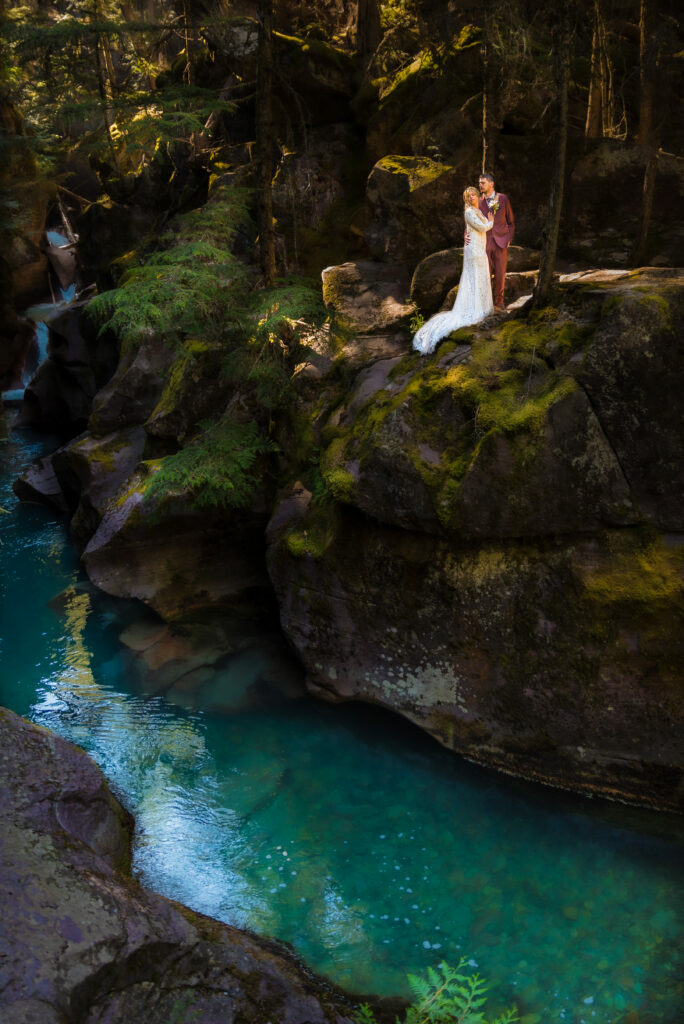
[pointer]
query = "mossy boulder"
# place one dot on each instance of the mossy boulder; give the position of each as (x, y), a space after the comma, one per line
(420, 106)
(484, 440)
(134, 391)
(91, 469)
(192, 391)
(173, 555)
(416, 208)
(80, 936)
(557, 661)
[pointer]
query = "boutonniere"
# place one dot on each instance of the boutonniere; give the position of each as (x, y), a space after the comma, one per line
(494, 206)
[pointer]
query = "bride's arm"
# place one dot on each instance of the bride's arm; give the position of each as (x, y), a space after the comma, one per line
(474, 219)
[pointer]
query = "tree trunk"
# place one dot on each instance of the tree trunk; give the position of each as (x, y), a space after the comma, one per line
(593, 128)
(648, 70)
(488, 96)
(562, 43)
(368, 28)
(190, 33)
(264, 139)
(104, 89)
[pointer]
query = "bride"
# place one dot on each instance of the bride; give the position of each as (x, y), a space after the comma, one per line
(474, 299)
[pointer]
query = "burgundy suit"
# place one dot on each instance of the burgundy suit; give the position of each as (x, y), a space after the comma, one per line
(498, 240)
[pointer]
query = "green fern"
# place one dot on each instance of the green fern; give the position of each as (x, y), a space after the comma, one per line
(193, 286)
(218, 469)
(446, 995)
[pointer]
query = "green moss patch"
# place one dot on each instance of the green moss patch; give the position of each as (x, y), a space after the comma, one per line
(442, 420)
(641, 573)
(419, 170)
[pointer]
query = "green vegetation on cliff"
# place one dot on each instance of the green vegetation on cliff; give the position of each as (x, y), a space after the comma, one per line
(196, 296)
(218, 469)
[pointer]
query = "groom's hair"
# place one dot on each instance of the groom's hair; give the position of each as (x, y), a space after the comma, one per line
(488, 175)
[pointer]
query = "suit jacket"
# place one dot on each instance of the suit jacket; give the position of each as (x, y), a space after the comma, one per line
(501, 234)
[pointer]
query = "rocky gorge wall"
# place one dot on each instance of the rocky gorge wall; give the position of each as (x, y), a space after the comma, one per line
(490, 542)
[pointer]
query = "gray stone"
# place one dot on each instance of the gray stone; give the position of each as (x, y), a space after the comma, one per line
(367, 297)
(81, 940)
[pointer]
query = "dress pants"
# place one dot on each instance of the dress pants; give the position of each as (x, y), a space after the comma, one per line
(498, 258)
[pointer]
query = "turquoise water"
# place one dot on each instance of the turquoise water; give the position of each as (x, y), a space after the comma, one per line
(340, 829)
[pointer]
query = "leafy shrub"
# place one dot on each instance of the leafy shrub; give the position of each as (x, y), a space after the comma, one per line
(446, 996)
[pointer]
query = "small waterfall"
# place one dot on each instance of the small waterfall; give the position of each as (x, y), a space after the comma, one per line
(62, 257)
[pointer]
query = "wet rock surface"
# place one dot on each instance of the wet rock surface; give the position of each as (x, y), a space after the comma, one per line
(80, 940)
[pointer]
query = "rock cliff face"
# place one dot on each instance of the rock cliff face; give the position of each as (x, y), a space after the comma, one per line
(504, 562)
(80, 940)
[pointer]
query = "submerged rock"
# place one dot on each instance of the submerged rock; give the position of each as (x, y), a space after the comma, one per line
(82, 940)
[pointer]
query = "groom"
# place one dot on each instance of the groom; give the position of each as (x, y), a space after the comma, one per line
(500, 236)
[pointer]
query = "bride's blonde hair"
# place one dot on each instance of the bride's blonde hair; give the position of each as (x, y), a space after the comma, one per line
(470, 191)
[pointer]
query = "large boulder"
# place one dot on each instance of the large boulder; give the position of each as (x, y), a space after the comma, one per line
(367, 297)
(556, 662)
(134, 391)
(416, 208)
(92, 469)
(173, 556)
(633, 374)
(80, 939)
(491, 438)
(503, 563)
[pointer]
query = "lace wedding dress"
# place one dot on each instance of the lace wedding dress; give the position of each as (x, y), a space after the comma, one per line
(474, 298)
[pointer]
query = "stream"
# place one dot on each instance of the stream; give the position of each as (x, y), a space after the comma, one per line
(341, 829)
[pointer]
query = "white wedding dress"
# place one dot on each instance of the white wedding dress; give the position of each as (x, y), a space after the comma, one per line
(474, 299)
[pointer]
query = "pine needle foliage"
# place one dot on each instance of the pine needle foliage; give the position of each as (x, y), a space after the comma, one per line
(90, 74)
(445, 995)
(218, 469)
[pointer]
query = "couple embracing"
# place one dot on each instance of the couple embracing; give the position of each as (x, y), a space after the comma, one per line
(489, 232)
